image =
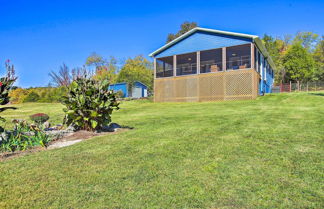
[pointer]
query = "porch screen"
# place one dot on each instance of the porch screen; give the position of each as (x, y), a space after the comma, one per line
(164, 67)
(211, 61)
(238, 57)
(187, 64)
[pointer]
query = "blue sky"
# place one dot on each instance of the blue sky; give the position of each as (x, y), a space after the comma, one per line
(38, 36)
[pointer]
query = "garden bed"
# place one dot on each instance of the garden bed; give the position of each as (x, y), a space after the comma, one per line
(67, 140)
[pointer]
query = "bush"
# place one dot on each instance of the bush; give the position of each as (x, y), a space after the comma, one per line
(45, 94)
(22, 138)
(119, 94)
(32, 97)
(39, 118)
(89, 104)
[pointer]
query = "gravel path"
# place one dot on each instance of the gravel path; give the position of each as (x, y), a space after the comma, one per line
(60, 144)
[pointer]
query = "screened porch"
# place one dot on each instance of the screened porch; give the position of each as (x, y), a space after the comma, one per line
(206, 61)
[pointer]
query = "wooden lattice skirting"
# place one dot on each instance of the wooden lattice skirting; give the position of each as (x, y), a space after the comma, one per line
(229, 85)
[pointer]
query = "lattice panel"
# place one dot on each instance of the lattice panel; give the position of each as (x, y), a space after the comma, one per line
(232, 85)
(211, 88)
(238, 86)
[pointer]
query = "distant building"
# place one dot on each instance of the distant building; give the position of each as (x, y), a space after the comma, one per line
(138, 89)
(208, 65)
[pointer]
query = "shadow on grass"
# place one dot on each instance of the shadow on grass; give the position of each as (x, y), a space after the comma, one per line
(317, 94)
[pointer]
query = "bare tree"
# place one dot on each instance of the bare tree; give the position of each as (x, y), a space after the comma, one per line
(64, 77)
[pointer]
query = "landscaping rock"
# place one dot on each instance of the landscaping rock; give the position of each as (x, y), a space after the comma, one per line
(47, 125)
(57, 134)
(111, 127)
(71, 128)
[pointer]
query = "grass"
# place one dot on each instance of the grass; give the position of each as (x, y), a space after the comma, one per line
(265, 153)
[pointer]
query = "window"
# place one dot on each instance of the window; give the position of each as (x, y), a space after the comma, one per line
(187, 64)
(238, 57)
(211, 61)
(164, 67)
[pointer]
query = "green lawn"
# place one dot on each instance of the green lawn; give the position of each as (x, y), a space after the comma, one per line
(265, 153)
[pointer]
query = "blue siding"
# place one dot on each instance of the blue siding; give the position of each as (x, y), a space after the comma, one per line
(142, 86)
(267, 78)
(119, 87)
(124, 88)
(202, 41)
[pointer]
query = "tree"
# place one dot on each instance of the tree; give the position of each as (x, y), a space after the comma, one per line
(6, 84)
(104, 69)
(137, 69)
(299, 63)
(307, 39)
(184, 28)
(319, 58)
(107, 71)
(65, 77)
(276, 48)
(32, 97)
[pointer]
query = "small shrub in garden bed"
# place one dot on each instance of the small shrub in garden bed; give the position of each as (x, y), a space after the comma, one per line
(23, 137)
(39, 118)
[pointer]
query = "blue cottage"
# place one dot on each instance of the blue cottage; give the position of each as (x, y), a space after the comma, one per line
(206, 65)
(138, 90)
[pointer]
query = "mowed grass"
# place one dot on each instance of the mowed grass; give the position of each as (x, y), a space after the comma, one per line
(264, 153)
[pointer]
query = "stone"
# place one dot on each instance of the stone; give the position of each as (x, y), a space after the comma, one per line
(47, 125)
(112, 127)
(70, 129)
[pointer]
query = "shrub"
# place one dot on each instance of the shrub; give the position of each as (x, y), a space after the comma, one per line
(89, 104)
(22, 138)
(119, 94)
(45, 94)
(32, 97)
(39, 118)
(18, 95)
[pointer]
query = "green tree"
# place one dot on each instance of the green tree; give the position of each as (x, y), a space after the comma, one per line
(32, 97)
(299, 63)
(137, 69)
(104, 69)
(307, 39)
(95, 60)
(319, 58)
(184, 28)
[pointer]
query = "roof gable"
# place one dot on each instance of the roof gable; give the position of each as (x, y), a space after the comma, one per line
(202, 40)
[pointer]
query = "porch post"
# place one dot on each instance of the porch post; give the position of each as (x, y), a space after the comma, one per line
(224, 58)
(198, 62)
(257, 68)
(252, 56)
(154, 67)
(174, 65)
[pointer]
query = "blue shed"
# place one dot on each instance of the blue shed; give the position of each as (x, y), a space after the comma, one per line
(138, 89)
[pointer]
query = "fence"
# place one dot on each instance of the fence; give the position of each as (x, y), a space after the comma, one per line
(295, 87)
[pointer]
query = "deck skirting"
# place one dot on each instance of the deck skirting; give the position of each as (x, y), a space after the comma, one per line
(228, 85)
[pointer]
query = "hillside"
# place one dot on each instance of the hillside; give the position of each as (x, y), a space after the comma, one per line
(265, 153)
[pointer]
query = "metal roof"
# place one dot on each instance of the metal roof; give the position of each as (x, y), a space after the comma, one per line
(255, 39)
